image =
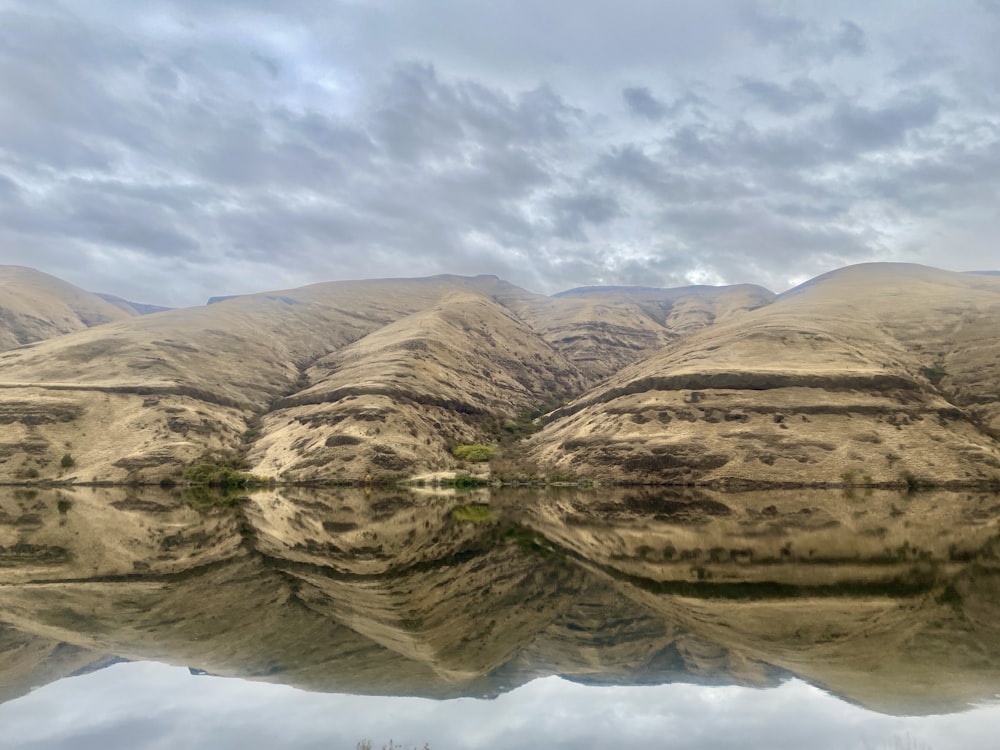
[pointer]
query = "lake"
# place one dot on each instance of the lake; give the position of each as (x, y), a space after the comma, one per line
(498, 619)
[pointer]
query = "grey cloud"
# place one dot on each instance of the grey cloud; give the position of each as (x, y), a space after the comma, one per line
(802, 40)
(642, 103)
(990, 6)
(866, 128)
(217, 144)
(419, 115)
(851, 39)
(953, 179)
(9, 190)
(100, 711)
(771, 28)
(786, 100)
(572, 212)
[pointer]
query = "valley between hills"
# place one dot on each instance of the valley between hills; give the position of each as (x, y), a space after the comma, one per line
(877, 374)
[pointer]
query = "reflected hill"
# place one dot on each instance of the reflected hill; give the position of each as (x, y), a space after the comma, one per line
(888, 600)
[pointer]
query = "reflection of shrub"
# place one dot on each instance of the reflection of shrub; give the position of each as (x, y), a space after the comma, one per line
(950, 596)
(464, 482)
(474, 513)
(207, 498)
(474, 452)
(915, 483)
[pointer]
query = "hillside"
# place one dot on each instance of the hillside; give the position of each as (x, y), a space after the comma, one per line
(880, 373)
(35, 306)
(874, 373)
(330, 381)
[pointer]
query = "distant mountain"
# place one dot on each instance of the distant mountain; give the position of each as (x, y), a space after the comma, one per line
(133, 308)
(35, 306)
(880, 373)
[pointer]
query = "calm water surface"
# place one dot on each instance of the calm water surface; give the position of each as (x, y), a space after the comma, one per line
(499, 620)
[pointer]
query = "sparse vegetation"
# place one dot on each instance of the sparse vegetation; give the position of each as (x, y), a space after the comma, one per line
(916, 484)
(67, 461)
(228, 473)
(472, 452)
(951, 597)
(477, 513)
(204, 498)
(464, 482)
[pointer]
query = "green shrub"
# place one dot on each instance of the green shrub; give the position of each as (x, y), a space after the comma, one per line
(474, 514)
(474, 452)
(223, 474)
(67, 461)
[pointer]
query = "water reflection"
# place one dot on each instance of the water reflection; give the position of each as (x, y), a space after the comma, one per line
(889, 601)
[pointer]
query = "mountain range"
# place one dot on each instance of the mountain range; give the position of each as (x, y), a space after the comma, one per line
(876, 374)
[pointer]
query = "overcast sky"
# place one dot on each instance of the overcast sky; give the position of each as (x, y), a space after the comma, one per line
(167, 150)
(153, 707)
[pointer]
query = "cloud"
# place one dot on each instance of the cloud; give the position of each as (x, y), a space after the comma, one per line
(217, 146)
(643, 104)
(858, 128)
(149, 705)
(785, 100)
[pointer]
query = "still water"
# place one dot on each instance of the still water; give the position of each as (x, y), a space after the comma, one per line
(317, 619)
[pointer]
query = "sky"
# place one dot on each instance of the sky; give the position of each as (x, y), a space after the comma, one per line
(172, 150)
(146, 706)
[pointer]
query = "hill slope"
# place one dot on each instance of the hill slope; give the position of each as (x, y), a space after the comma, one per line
(35, 306)
(330, 381)
(878, 372)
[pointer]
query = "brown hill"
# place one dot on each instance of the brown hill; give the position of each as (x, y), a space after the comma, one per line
(330, 381)
(874, 373)
(35, 306)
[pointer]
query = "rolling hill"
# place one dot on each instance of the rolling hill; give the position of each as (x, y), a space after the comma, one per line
(873, 374)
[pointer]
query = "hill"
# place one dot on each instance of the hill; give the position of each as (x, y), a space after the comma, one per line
(880, 373)
(35, 306)
(873, 373)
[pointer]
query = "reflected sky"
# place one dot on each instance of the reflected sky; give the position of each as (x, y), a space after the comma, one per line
(148, 705)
